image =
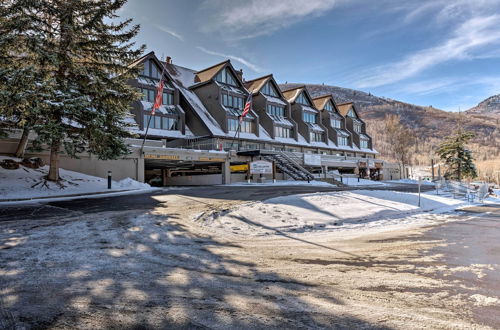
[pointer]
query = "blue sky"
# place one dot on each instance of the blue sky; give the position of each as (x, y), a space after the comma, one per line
(444, 53)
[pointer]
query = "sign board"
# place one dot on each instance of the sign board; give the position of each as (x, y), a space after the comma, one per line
(261, 167)
(156, 156)
(239, 168)
(312, 159)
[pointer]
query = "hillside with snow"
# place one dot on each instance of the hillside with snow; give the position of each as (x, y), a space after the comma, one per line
(489, 107)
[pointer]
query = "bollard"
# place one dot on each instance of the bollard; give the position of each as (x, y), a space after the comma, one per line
(109, 179)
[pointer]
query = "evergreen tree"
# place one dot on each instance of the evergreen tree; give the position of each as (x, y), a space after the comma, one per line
(457, 157)
(82, 58)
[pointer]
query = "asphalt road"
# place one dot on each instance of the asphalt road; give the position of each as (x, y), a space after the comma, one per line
(147, 201)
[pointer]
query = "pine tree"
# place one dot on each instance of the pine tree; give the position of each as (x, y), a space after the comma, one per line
(457, 157)
(83, 60)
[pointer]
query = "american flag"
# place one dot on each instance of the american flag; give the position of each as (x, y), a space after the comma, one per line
(248, 107)
(159, 96)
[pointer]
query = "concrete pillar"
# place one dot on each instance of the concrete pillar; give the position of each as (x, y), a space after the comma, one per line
(140, 169)
(226, 172)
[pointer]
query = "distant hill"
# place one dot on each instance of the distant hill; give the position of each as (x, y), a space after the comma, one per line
(430, 125)
(489, 107)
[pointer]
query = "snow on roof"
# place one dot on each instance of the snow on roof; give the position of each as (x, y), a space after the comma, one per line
(274, 99)
(164, 133)
(183, 78)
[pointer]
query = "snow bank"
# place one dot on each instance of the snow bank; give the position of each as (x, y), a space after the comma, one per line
(330, 211)
(26, 183)
(411, 181)
(282, 183)
(362, 182)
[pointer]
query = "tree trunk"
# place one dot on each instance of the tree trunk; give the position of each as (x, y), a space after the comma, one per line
(54, 162)
(23, 142)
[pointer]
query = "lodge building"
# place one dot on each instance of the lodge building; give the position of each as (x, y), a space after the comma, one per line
(196, 137)
(201, 112)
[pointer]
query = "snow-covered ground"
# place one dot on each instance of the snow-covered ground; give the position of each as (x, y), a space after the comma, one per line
(410, 181)
(333, 211)
(27, 183)
(361, 182)
(282, 183)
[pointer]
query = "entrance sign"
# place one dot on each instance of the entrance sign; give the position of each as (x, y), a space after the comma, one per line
(312, 159)
(261, 167)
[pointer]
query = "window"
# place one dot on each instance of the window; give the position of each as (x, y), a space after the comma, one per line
(336, 123)
(364, 144)
(225, 76)
(310, 117)
(246, 126)
(232, 101)
(284, 132)
(269, 89)
(303, 100)
(316, 137)
(276, 111)
(144, 92)
(357, 127)
(151, 70)
(342, 140)
(168, 98)
(148, 95)
(159, 122)
(329, 106)
(351, 113)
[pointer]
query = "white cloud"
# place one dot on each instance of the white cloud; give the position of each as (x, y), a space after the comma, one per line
(169, 31)
(239, 19)
(252, 66)
(469, 38)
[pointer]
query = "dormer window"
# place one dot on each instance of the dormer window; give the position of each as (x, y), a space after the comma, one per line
(269, 89)
(151, 70)
(310, 117)
(363, 144)
(275, 111)
(303, 100)
(342, 140)
(329, 107)
(231, 101)
(336, 122)
(317, 137)
(351, 114)
(357, 127)
(226, 77)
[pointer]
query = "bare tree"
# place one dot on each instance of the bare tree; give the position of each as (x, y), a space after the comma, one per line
(400, 138)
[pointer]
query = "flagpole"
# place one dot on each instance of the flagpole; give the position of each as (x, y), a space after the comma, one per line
(152, 114)
(239, 130)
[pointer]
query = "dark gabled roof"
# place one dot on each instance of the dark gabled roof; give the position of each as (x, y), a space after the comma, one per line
(292, 94)
(152, 56)
(345, 107)
(208, 73)
(321, 101)
(255, 85)
(141, 59)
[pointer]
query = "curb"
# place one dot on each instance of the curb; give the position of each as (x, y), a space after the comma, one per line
(64, 196)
